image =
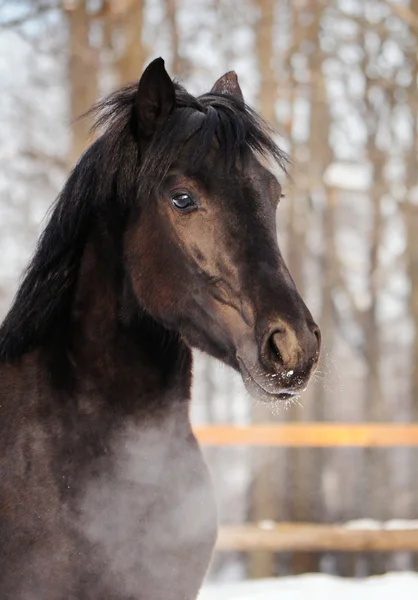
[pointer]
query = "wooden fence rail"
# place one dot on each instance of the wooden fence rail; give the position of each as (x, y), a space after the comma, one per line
(319, 435)
(309, 537)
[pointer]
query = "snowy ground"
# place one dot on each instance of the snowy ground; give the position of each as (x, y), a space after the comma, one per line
(318, 587)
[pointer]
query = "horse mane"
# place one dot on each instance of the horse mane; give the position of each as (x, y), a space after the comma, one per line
(110, 178)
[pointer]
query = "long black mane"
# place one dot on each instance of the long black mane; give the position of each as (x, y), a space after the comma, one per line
(111, 178)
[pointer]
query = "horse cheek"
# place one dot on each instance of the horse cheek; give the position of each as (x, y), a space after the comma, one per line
(155, 277)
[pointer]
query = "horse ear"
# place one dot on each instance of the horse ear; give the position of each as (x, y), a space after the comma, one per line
(228, 84)
(155, 98)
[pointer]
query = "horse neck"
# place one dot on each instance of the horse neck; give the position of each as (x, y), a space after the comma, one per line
(112, 341)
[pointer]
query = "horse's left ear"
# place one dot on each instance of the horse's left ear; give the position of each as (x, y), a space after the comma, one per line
(228, 84)
(155, 99)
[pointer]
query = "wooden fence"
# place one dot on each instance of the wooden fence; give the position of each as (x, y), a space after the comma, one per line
(319, 435)
(294, 537)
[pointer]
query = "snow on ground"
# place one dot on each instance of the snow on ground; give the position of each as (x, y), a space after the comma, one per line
(373, 524)
(318, 587)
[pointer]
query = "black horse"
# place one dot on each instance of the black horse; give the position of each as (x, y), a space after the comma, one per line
(163, 239)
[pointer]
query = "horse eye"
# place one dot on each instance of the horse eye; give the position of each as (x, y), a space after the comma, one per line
(182, 201)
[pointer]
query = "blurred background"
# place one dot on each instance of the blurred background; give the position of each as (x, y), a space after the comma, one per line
(338, 81)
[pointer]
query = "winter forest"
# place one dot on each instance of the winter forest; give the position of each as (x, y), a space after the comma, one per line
(337, 80)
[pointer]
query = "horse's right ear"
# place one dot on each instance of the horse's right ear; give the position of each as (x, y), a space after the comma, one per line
(155, 98)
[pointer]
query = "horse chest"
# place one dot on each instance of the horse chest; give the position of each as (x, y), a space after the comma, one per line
(153, 518)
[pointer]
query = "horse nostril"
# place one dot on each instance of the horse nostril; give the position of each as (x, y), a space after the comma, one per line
(285, 348)
(274, 345)
(317, 333)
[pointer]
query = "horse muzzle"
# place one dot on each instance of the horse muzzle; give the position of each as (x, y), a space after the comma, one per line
(281, 363)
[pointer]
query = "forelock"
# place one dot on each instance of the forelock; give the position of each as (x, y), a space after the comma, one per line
(211, 118)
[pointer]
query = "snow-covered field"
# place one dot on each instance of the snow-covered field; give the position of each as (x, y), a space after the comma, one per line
(318, 587)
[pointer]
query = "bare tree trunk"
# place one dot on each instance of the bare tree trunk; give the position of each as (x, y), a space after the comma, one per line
(375, 409)
(376, 468)
(82, 75)
(171, 11)
(264, 503)
(264, 36)
(130, 63)
(375, 482)
(411, 226)
(305, 467)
